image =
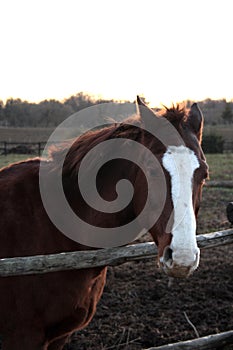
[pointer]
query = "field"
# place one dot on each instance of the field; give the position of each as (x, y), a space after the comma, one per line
(226, 131)
(220, 166)
(25, 134)
(139, 310)
(19, 135)
(42, 134)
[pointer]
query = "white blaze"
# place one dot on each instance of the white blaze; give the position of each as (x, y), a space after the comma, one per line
(181, 162)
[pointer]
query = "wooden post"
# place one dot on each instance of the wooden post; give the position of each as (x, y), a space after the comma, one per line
(5, 148)
(230, 212)
(39, 148)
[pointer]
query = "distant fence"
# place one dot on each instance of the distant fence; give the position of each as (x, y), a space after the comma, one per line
(228, 146)
(220, 183)
(36, 148)
(21, 148)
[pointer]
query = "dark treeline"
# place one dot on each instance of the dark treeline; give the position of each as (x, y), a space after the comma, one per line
(49, 113)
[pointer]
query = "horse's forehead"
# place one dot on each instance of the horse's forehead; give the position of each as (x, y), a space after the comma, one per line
(180, 160)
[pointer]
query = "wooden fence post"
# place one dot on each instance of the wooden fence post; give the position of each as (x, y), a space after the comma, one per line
(39, 148)
(5, 148)
(230, 212)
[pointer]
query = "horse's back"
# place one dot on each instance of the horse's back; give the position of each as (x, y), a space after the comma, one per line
(19, 198)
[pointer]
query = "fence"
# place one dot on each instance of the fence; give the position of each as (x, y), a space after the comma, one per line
(21, 147)
(95, 258)
(228, 146)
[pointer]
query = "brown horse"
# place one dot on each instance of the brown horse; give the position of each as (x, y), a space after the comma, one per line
(40, 312)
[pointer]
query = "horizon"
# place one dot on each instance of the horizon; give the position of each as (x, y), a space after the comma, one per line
(165, 51)
(98, 97)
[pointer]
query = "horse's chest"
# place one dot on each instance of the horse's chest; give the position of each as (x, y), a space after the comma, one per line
(82, 306)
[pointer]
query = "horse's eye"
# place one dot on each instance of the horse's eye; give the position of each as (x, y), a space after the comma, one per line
(206, 176)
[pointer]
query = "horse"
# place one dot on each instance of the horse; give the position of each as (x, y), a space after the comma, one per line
(40, 312)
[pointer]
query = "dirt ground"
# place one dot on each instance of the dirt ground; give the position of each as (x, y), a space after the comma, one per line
(139, 309)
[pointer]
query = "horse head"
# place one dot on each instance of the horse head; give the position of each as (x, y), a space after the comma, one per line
(183, 165)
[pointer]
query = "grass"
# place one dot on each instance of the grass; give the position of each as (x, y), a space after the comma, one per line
(25, 134)
(212, 215)
(12, 158)
(20, 135)
(226, 131)
(220, 166)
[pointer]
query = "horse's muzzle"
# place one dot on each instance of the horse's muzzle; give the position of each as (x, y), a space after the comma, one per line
(181, 264)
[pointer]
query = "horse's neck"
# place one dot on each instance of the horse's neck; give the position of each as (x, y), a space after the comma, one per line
(106, 183)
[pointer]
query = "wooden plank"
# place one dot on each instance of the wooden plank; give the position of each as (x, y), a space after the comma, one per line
(223, 184)
(204, 343)
(93, 258)
(215, 239)
(75, 260)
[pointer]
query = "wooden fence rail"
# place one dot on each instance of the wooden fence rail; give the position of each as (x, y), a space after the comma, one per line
(93, 258)
(27, 148)
(209, 342)
(223, 183)
(21, 147)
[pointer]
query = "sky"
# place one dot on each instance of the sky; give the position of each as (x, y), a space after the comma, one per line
(165, 50)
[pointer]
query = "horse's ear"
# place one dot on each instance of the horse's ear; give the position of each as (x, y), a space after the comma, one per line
(140, 102)
(144, 112)
(196, 120)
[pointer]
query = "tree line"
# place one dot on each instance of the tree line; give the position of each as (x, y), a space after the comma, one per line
(47, 113)
(50, 113)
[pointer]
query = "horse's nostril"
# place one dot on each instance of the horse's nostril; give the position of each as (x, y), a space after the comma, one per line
(179, 263)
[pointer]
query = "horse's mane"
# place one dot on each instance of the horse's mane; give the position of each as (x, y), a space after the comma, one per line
(175, 114)
(84, 143)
